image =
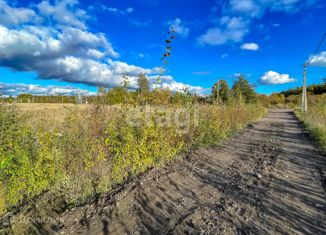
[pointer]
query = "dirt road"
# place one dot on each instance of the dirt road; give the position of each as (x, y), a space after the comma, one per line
(268, 179)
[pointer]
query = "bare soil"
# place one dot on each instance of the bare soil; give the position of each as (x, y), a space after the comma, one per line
(268, 179)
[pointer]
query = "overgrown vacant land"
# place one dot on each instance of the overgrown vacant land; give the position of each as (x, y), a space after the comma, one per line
(268, 179)
(58, 157)
(158, 117)
(64, 155)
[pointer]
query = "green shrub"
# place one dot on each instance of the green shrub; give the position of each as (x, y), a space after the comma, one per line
(100, 146)
(135, 148)
(29, 161)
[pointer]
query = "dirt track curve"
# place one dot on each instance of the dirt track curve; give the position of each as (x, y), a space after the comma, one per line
(268, 179)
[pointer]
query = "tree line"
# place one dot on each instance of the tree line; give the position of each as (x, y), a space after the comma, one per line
(220, 93)
(316, 89)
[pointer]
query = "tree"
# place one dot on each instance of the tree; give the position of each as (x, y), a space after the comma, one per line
(160, 97)
(143, 84)
(24, 98)
(116, 95)
(276, 99)
(221, 91)
(101, 91)
(243, 90)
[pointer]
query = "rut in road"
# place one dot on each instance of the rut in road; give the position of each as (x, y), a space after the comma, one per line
(268, 179)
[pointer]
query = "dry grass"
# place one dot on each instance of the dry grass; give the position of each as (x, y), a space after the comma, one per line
(315, 120)
(52, 114)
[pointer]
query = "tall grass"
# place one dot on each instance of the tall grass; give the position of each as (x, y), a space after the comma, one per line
(98, 147)
(315, 120)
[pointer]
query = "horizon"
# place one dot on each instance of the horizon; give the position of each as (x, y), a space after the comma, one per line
(70, 46)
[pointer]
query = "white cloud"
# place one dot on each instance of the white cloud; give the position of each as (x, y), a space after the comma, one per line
(64, 12)
(238, 16)
(114, 9)
(287, 5)
(130, 10)
(257, 8)
(62, 47)
(178, 86)
(231, 29)
(15, 16)
(46, 42)
(248, 7)
(318, 60)
(273, 78)
(11, 89)
(250, 46)
(179, 27)
(215, 36)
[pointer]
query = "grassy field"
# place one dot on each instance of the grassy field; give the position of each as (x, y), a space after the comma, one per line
(78, 151)
(315, 120)
(51, 115)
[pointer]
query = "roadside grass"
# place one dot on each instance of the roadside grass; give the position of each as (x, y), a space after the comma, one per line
(315, 121)
(83, 151)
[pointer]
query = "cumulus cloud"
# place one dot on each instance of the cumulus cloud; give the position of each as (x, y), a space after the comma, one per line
(257, 8)
(15, 16)
(250, 46)
(180, 87)
(318, 60)
(7, 89)
(42, 42)
(179, 27)
(245, 6)
(273, 78)
(64, 12)
(231, 30)
(60, 46)
(238, 16)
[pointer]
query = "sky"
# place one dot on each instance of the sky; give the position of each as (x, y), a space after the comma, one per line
(69, 47)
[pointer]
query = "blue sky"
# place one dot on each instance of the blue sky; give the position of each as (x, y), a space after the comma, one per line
(71, 46)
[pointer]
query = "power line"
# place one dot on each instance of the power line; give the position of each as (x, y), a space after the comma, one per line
(317, 49)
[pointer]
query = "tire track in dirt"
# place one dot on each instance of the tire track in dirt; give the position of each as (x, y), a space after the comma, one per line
(267, 179)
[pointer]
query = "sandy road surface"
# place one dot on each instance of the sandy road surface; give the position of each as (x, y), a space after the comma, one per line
(268, 179)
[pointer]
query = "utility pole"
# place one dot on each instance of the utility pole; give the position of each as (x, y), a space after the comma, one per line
(304, 89)
(218, 92)
(218, 88)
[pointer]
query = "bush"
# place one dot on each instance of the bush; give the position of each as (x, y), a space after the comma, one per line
(29, 161)
(135, 148)
(98, 147)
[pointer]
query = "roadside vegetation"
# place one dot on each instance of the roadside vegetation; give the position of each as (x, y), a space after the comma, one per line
(315, 119)
(68, 154)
